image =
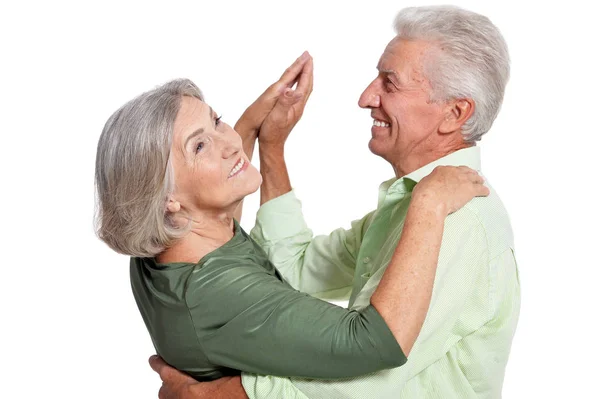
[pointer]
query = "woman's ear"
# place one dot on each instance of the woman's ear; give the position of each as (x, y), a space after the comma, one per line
(457, 113)
(173, 206)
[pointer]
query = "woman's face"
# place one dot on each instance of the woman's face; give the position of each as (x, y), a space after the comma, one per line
(212, 172)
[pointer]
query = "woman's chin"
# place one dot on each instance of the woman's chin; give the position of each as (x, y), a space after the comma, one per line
(255, 183)
(249, 182)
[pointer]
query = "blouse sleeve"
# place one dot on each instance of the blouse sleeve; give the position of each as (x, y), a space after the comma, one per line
(247, 319)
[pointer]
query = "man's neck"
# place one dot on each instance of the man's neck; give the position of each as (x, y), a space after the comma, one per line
(418, 158)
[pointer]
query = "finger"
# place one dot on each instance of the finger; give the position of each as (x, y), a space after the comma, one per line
(166, 372)
(482, 191)
(311, 77)
(288, 98)
(477, 178)
(288, 78)
(157, 363)
(306, 78)
(163, 392)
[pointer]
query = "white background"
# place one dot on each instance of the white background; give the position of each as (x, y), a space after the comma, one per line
(69, 324)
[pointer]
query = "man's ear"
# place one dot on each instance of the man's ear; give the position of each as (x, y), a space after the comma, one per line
(457, 113)
(173, 206)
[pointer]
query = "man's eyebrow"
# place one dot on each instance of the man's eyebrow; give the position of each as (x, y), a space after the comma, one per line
(389, 72)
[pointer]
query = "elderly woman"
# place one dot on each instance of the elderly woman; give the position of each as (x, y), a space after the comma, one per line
(170, 178)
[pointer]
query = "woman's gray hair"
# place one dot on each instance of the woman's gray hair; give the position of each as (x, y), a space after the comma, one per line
(134, 177)
(471, 60)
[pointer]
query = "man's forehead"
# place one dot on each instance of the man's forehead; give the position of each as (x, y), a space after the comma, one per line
(403, 57)
(391, 58)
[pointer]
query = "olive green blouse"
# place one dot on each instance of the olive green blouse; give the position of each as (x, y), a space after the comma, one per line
(233, 312)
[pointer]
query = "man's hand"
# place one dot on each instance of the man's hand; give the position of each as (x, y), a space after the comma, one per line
(288, 110)
(276, 128)
(252, 119)
(177, 385)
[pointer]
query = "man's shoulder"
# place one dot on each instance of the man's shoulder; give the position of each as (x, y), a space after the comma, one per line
(490, 214)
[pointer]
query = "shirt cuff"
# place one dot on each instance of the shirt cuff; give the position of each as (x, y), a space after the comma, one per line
(279, 218)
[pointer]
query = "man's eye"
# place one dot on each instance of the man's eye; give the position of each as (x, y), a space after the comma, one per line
(389, 85)
(218, 120)
(200, 146)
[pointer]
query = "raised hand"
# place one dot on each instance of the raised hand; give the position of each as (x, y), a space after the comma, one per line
(288, 110)
(252, 119)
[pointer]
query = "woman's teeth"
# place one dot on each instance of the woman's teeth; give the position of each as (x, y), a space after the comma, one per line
(236, 168)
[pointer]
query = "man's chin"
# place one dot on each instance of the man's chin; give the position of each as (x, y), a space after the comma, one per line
(377, 147)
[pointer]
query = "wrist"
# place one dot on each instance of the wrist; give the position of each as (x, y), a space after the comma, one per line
(272, 148)
(245, 129)
(425, 202)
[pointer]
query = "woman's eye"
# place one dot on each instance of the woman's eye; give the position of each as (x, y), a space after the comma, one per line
(200, 146)
(218, 120)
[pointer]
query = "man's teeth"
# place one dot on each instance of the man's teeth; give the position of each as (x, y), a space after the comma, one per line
(236, 168)
(380, 123)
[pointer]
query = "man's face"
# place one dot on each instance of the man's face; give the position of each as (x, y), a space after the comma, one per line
(405, 121)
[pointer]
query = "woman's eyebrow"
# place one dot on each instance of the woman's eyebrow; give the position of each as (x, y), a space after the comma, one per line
(197, 132)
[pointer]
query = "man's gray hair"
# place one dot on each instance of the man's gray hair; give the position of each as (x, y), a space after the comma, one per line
(134, 177)
(471, 60)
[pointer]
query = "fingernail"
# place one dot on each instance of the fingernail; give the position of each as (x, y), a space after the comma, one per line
(304, 55)
(289, 93)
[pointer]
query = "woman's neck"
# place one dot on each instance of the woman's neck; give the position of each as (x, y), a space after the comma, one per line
(208, 232)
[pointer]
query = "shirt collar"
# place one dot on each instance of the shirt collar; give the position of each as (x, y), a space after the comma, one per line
(470, 157)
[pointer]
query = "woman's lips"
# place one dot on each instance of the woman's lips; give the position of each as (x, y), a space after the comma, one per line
(240, 166)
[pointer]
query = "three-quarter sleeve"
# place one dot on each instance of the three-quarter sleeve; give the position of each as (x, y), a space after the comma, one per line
(249, 320)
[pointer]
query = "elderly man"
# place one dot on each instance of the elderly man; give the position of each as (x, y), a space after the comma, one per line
(439, 87)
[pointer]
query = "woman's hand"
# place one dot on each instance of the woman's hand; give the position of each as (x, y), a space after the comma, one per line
(449, 188)
(404, 292)
(287, 111)
(252, 119)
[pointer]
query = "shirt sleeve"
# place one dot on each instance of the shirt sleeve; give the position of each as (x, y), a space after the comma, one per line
(463, 262)
(315, 265)
(247, 319)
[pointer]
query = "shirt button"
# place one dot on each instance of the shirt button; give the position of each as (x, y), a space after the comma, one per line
(366, 259)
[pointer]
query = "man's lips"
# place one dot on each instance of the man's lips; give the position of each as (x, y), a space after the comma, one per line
(379, 121)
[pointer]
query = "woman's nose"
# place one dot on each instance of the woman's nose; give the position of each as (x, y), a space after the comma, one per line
(232, 143)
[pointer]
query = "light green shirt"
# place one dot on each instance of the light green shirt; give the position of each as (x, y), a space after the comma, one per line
(463, 347)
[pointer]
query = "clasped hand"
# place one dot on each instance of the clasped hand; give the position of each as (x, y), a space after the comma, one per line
(274, 114)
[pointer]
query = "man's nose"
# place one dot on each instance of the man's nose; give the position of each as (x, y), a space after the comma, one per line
(369, 98)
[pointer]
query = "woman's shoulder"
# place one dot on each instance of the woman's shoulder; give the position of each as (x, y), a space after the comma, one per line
(227, 275)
